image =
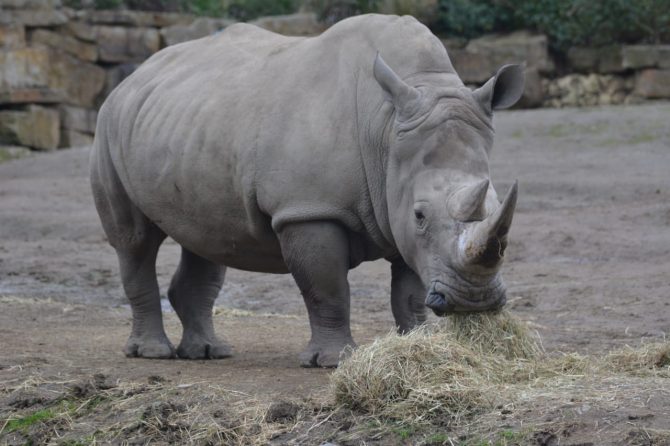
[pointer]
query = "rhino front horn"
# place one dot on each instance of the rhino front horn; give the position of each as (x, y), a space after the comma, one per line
(488, 239)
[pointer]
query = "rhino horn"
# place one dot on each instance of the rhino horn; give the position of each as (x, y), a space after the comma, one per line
(486, 242)
(402, 95)
(467, 204)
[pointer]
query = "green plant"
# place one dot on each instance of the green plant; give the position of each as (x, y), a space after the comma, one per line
(331, 11)
(566, 22)
(23, 423)
(251, 9)
(154, 5)
(577, 22)
(210, 8)
(510, 437)
(404, 432)
(436, 439)
(471, 18)
(107, 4)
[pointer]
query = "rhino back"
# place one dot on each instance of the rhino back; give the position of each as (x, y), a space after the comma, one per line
(223, 140)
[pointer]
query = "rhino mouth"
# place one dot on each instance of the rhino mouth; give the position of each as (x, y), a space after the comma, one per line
(445, 298)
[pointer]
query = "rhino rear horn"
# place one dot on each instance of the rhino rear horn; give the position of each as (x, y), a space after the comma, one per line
(467, 204)
(487, 241)
(402, 95)
(503, 90)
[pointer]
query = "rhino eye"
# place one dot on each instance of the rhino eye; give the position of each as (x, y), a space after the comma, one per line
(420, 221)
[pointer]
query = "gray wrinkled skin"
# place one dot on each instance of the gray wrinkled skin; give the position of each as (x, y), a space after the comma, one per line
(304, 155)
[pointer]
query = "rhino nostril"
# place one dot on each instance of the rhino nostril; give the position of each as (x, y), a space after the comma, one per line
(436, 301)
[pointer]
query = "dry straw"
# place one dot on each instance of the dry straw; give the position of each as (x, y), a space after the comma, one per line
(467, 365)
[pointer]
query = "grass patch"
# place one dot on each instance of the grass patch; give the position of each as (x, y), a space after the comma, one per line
(438, 438)
(573, 129)
(641, 138)
(631, 140)
(511, 437)
(24, 423)
(9, 153)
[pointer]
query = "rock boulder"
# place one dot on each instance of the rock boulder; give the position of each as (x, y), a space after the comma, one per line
(301, 24)
(24, 76)
(122, 44)
(78, 118)
(12, 36)
(66, 43)
(646, 56)
(33, 126)
(201, 27)
(481, 58)
(34, 17)
(653, 84)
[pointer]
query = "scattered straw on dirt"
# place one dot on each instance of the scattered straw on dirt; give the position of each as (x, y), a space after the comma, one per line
(463, 374)
(470, 365)
(139, 413)
(652, 357)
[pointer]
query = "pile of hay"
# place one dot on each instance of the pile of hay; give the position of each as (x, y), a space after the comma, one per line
(436, 369)
(467, 365)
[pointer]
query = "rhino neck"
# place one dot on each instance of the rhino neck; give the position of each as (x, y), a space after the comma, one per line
(374, 126)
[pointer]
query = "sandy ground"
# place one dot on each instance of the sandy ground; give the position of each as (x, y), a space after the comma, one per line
(588, 265)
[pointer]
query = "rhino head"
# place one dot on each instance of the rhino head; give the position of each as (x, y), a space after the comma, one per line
(444, 214)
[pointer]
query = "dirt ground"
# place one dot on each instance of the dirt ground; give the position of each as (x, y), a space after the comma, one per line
(588, 267)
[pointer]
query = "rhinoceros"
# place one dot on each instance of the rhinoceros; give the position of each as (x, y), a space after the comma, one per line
(308, 156)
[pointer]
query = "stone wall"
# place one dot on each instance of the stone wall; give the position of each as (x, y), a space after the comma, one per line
(585, 77)
(57, 65)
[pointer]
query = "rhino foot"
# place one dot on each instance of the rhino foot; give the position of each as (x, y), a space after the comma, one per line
(325, 355)
(200, 348)
(149, 348)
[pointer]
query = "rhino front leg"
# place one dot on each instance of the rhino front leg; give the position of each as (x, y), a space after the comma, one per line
(192, 293)
(407, 297)
(317, 255)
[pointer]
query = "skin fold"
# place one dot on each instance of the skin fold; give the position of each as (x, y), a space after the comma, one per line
(306, 156)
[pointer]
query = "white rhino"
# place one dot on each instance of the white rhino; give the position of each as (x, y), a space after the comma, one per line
(305, 156)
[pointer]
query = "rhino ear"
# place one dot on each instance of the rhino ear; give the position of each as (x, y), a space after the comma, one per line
(403, 96)
(503, 90)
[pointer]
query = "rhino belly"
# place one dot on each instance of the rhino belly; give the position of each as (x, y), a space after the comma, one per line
(203, 198)
(224, 239)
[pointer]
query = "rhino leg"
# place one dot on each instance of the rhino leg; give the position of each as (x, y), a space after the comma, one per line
(136, 241)
(192, 293)
(407, 297)
(138, 273)
(317, 255)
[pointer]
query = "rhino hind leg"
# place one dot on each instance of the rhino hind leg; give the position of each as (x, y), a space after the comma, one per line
(192, 293)
(138, 273)
(317, 255)
(407, 297)
(136, 241)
